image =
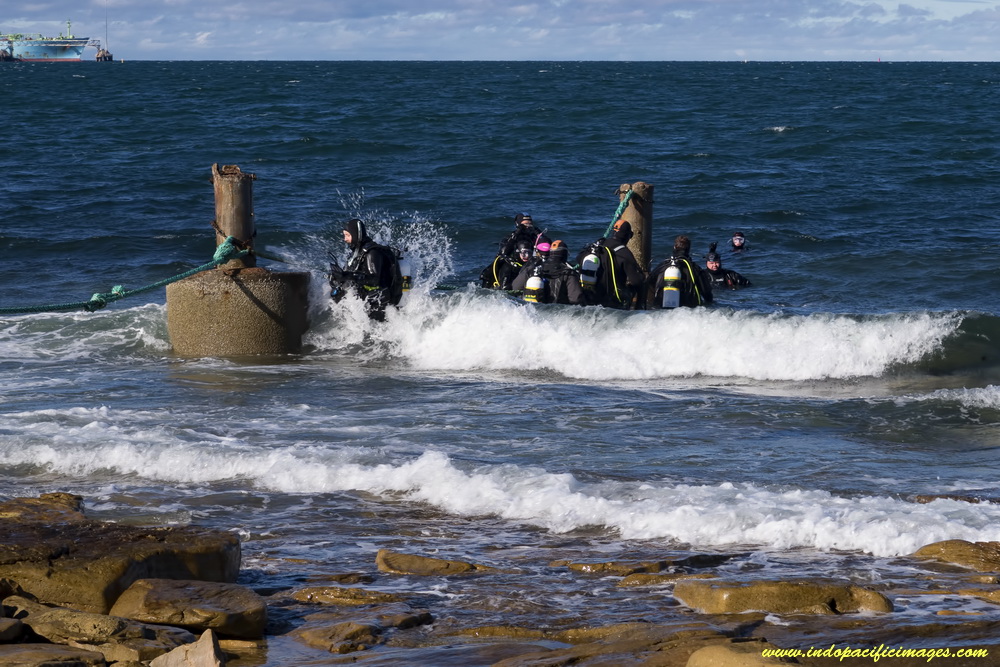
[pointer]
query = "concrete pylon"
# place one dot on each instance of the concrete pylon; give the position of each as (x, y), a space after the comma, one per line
(639, 214)
(237, 309)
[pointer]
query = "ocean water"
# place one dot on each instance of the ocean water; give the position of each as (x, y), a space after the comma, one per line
(789, 426)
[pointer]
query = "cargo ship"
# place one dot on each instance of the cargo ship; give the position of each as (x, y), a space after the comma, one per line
(38, 49)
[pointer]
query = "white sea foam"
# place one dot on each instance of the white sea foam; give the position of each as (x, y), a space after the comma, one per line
(94, 442)
(470, 331)
(977, 398)
(80, 335)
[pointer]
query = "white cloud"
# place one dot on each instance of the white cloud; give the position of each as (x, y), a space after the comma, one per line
(541, 29)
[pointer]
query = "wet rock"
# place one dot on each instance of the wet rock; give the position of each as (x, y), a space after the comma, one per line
(10, 629)
(47, 508)
(350, 578)
(117, 639)
(228, 609)
(48, 655)
(203, 653)
(52, 552)
(646, 632)
(617, 646)
(344, 596)
(979, 556)
(780, 597)
(929, 498)
(339, 633)
(346, 637)
(992, 595)
(736, 653)
(397, 563)
(625, 568)
(243, 651)
(504, 631)
(661, 579)
(406, 620)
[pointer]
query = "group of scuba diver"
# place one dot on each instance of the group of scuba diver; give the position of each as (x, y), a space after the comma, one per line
(532, 266)
(606, 273)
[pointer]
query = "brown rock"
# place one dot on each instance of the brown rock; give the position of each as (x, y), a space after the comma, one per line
(10, 629)
(346, 637)
(50, 551)
(659, 646)
(925, 498)
(341, 631)
(641, 579)
(344, 596)
(203, 653)
(397, 563)
(504, 631)
(992, 595)
(979, 556)
(618, 568)
(625, 568)
(47, 508)
(736, 653)
(405, 620)
(48, 655)
(118, 639)
(780, 597)
(228, 609)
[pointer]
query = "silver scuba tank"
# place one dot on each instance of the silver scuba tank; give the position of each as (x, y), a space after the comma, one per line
(534, 286)
(406, 269)
(671, 287)
(588, 270)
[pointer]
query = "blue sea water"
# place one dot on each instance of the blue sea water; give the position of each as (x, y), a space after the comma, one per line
(792, 423)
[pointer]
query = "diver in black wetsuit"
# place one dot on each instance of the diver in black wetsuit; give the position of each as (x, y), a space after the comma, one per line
(723, 278)
(738, 243)
(372, 272)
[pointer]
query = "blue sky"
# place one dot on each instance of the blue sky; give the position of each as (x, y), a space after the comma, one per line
(935, 30)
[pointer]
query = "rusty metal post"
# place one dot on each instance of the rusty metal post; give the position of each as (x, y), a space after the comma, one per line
(639, 214)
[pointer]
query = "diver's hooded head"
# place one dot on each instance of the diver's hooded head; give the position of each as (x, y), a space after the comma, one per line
(358, 232)
(558, 253)
(623, 231)
(542, 245)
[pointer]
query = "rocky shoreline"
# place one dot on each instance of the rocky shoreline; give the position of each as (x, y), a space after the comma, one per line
(80, 592)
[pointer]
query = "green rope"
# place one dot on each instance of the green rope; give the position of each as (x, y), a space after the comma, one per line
(227, 251)
(618, 213)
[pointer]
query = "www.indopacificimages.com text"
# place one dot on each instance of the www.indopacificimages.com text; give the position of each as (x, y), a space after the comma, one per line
(875, 653)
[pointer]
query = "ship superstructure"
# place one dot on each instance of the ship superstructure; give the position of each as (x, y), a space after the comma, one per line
(38, 48)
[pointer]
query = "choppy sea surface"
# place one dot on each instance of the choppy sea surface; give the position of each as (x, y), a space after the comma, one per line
(791, 424)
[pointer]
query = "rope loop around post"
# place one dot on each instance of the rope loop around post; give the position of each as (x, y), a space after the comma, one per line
(618, 212)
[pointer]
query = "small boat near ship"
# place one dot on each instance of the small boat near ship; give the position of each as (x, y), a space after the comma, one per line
(25, 47)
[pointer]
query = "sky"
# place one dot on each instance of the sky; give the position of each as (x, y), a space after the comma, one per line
(620, 30)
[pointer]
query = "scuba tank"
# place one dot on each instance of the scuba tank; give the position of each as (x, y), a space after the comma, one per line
(406, 270)
(534, 287)
(588, 270)
(672, 287)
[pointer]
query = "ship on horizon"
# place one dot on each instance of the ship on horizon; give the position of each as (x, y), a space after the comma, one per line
(35, 48)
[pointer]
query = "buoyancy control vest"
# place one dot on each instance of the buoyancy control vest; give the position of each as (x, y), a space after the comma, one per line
(381, 277)
(601, 276)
